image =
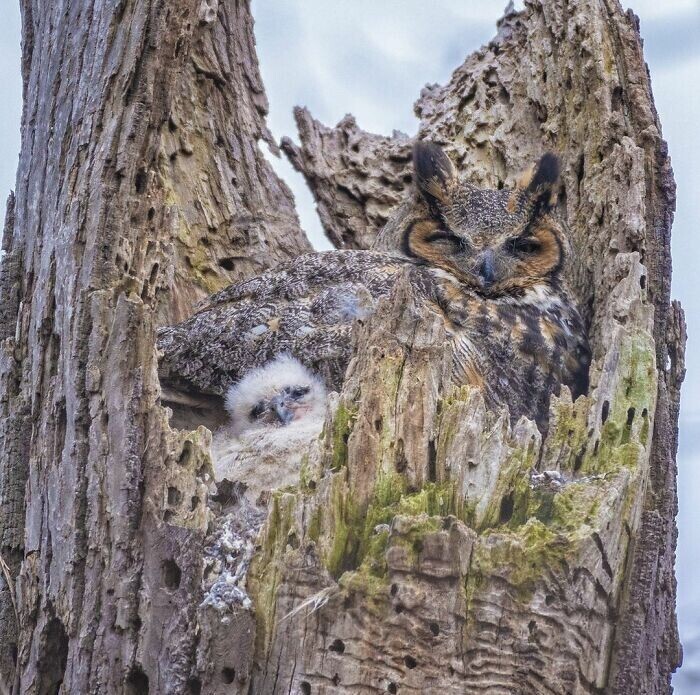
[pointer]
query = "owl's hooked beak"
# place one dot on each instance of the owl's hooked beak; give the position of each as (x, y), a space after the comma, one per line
(487, 268)
(283, 413)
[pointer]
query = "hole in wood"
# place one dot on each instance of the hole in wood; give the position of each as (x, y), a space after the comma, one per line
(136, 682)
(336, 679)
(140, 181)
(391, 688)
(337, 646)
(432, 462)
(171, 574)
(616, 98)
(435, 629)
(605, 412)
(507, 505)
(305, 687)
(186, 455)
(154, 274)
(174, 496)
(53, 658)
(228, 674)
(227, 263)
(410, 662)
(195, 686)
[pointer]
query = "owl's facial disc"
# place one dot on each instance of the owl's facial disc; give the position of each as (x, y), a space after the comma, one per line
(492, 263)
(495, 241)
(284, 407)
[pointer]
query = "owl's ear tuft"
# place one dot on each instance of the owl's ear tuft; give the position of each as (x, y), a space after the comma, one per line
(434, 173)
(540, 182)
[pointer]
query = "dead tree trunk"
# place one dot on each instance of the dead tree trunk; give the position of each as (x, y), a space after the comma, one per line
(140, 189)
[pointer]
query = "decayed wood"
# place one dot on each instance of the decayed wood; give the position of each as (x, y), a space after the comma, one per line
(357, 179)
(140, 190)
(448, 566)
(569, 77)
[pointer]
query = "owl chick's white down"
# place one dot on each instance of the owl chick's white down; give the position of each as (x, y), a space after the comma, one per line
(276, 411)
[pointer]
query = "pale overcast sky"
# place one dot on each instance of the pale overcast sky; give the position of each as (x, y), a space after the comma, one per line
(371, 58)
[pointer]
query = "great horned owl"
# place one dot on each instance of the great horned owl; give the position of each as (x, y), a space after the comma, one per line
(491, 260)
(519, 334)
(276, 410)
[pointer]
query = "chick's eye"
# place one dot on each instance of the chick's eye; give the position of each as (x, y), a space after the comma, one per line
(299, 392)
(256, 412)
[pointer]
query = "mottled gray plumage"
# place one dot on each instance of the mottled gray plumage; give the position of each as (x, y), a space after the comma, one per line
(491, 260)
(305, 308)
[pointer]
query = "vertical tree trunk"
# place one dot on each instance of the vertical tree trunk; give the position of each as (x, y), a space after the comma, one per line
(140, 190)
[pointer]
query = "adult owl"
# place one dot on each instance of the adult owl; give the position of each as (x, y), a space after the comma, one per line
(491, 260)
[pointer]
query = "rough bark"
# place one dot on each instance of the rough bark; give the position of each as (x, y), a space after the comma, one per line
(357, 179)
(140, 190)
(419, 552)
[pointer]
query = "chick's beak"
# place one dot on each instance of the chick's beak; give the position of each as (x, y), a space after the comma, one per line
(283, 413)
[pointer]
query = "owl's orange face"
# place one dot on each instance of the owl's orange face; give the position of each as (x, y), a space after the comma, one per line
(498, 242)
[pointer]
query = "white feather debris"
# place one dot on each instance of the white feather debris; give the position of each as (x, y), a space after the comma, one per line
(556, 480)
(229, 549)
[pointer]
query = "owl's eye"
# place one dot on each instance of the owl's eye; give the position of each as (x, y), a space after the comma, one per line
(299, 391)
(523, 245)
(442, 235)
(256, 412)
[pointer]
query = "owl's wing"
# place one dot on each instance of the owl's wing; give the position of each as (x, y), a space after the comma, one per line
(304, 308)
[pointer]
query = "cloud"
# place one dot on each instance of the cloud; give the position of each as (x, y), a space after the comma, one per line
(11, 102)
(672, 38)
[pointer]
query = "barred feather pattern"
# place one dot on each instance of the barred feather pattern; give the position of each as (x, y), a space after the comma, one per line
(518, 349)
(305, 308)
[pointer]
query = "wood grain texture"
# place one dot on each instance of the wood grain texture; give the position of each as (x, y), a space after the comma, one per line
(140, 189)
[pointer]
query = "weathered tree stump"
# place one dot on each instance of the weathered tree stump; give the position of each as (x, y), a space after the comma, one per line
(425, 548)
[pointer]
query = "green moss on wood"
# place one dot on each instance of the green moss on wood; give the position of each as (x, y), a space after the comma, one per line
(265, 572)
(633, 400)
(340, 429)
